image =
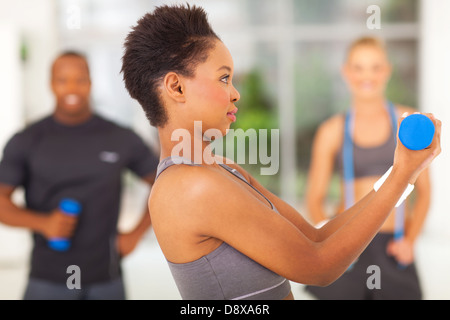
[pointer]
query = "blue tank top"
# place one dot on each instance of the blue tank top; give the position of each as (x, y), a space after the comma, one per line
(225, 273)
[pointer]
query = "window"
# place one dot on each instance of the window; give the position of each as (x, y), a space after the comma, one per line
(287, 57)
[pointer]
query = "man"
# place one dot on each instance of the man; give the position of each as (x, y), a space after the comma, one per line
(74, 153)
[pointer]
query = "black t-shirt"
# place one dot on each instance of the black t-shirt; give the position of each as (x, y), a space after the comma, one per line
(84, 162)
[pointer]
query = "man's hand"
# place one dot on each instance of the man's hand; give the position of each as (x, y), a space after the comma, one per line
(59, 225)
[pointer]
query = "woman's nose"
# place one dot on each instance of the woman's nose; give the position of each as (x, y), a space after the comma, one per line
(235, 96)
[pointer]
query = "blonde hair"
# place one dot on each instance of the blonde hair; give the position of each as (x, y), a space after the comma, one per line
(374, 42)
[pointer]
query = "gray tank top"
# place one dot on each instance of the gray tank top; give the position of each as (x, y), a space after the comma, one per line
(373, 161)
(225, 273)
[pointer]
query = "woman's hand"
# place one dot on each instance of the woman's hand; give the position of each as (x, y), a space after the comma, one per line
(402, 250)
(413, 162)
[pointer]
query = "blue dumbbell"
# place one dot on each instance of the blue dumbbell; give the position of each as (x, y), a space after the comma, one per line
(69, 207)
(416, 132)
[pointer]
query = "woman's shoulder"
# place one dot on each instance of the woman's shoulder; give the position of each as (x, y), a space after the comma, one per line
(333, 123)
(178, 196)
(181, 184)
(330, 131)
(182, 177)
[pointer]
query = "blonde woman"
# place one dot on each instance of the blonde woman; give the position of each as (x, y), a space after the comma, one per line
(360, 145)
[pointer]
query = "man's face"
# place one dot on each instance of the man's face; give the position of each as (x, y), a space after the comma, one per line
(71, 85)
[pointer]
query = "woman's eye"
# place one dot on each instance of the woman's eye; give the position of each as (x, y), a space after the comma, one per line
(225, 79)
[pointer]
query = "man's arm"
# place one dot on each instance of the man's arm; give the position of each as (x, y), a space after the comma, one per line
(54, 224)
(128, 241)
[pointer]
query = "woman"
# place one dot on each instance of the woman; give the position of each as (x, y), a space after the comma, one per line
(222, 233)
(360, 145)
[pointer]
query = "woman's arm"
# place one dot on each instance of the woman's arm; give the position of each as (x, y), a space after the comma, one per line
(127, 241)
(285, 244)
(207, 207)
(231, 214)
(327, 140)
(300, 222)
(403, 249)
(420, 207)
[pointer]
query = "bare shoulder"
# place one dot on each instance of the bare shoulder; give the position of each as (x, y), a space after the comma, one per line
(194, 209)
(330, 132)
(182, 203)
(179, 184)
(183, 197)
(333, 123)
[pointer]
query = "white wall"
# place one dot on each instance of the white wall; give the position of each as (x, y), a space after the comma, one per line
(11, 119)
(435, 98)
(35, 25)
(24, 88)
(434, 246)
(11, 110)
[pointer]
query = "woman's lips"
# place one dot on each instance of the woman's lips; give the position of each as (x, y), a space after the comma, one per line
(367, 85)
(232, 114)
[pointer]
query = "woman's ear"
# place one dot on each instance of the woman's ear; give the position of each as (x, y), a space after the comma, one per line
(173, 86)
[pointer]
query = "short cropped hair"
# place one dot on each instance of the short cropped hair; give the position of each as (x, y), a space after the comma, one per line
(170, 39)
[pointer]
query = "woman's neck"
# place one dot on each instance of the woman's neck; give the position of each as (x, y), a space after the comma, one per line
(368, 106)
(181, 142)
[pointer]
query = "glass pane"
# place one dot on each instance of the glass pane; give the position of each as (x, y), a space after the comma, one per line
(316, 75)
(316, 11)
(400, 11)
(261, 12)
(403, 86)
(352, 11)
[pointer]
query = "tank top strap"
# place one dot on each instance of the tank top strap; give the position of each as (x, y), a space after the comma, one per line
(393, 114)
(240, 176)
(170, 161)
(233, 171)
